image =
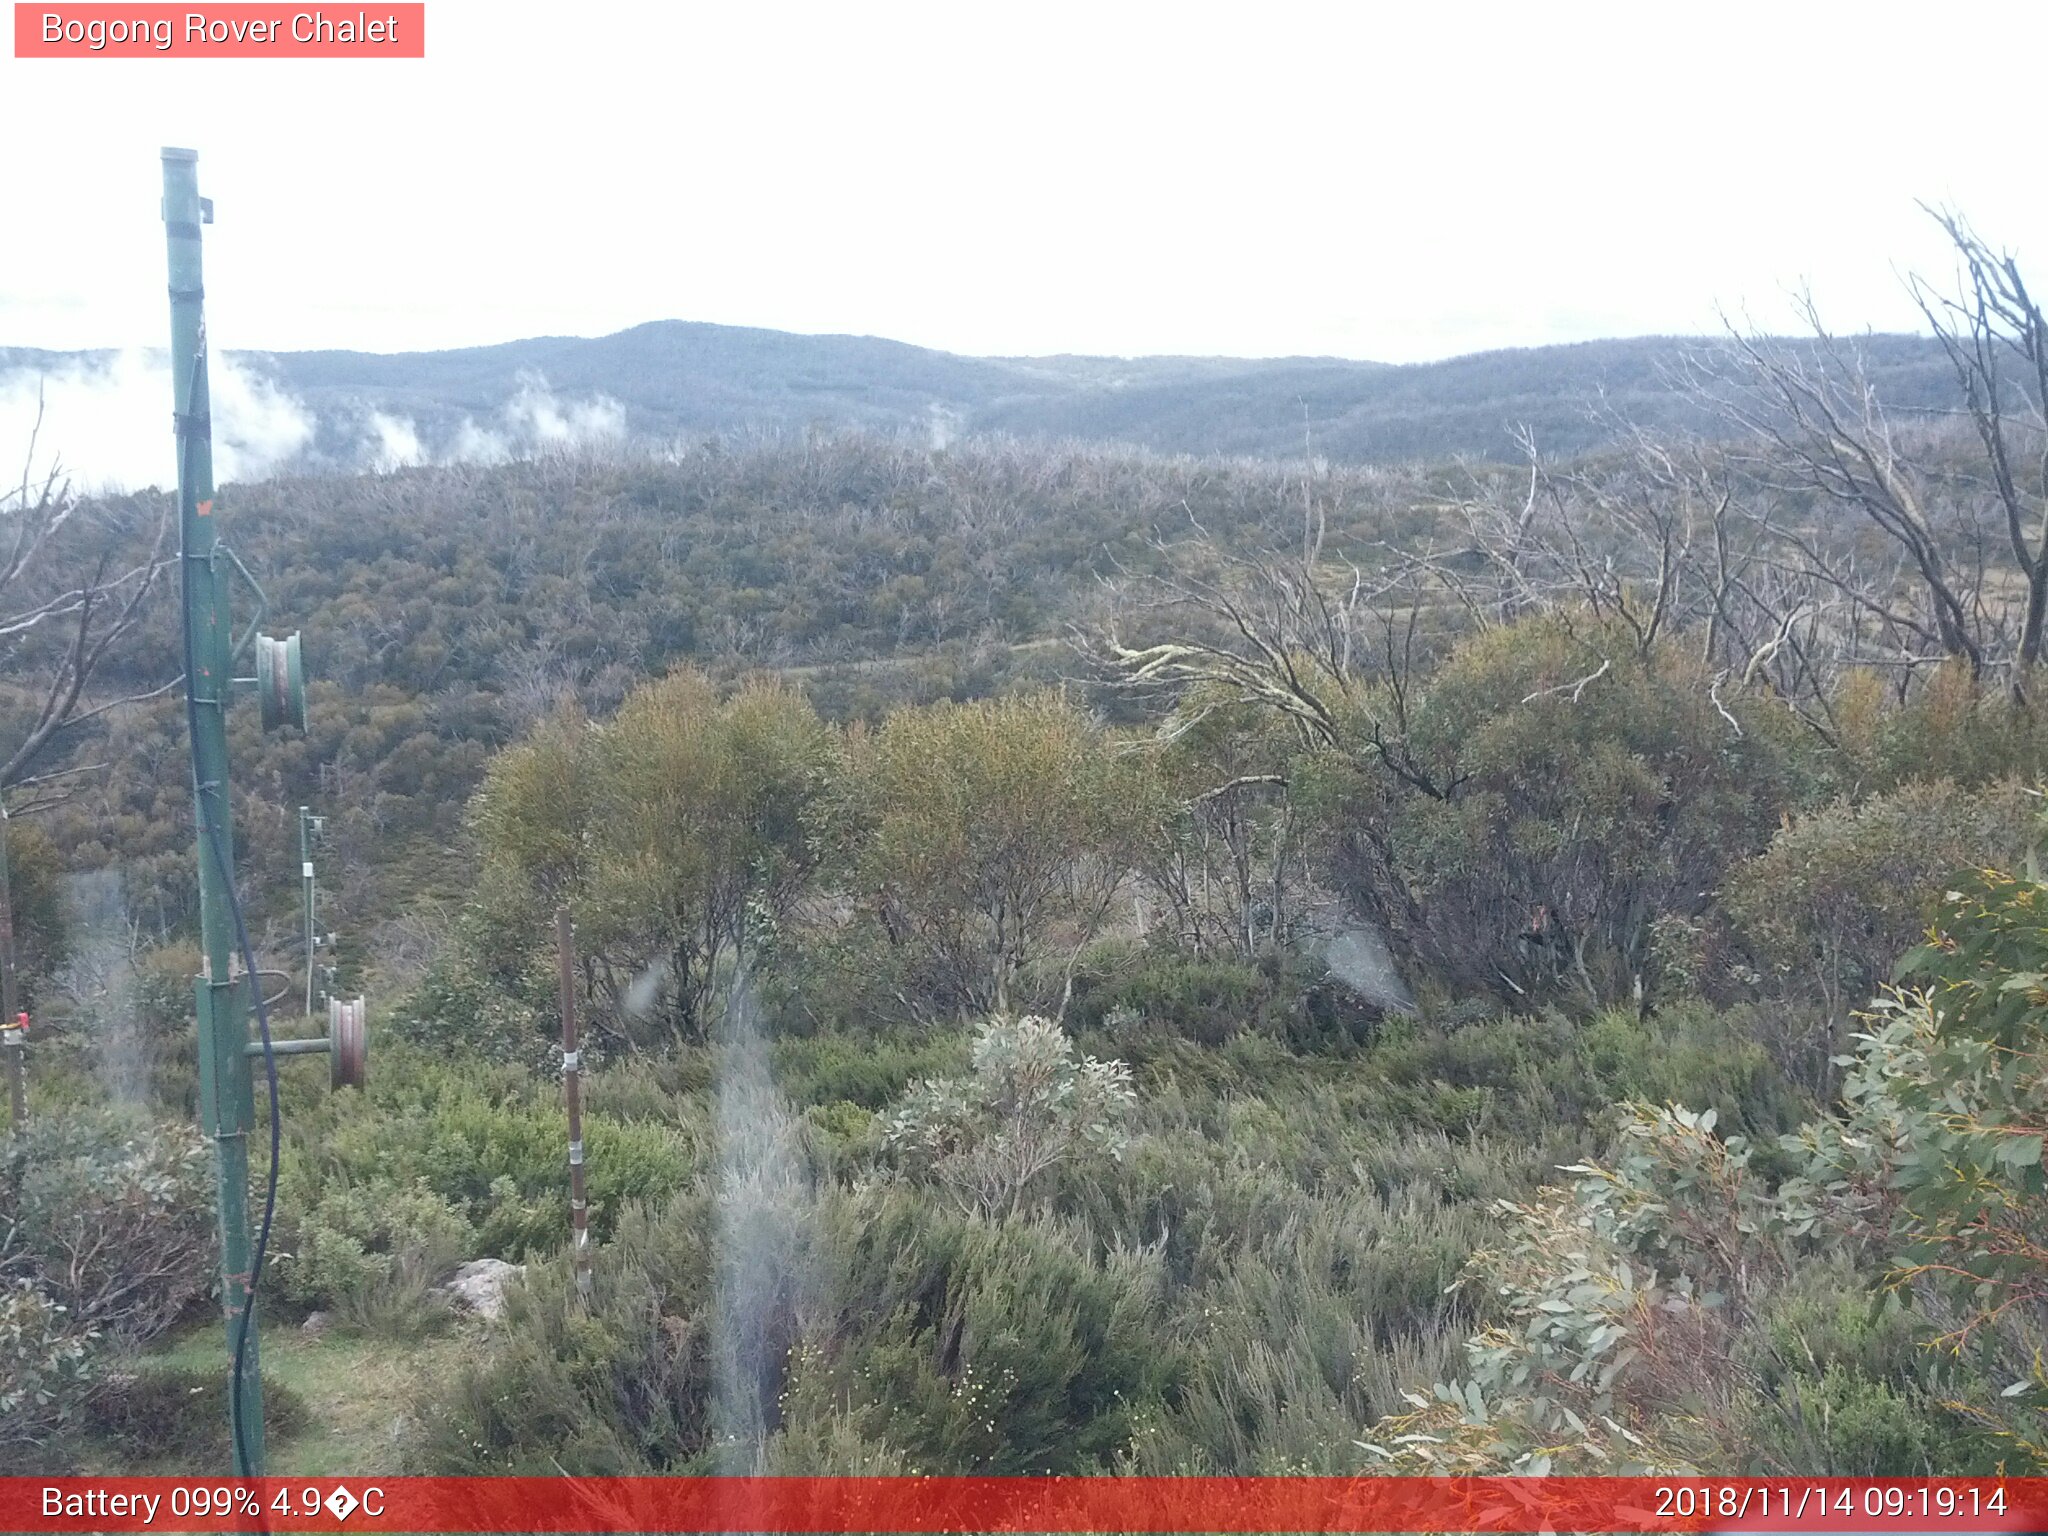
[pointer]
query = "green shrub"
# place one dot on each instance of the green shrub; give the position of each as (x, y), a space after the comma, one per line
(483, 998)
(1550, 792)
(620, 1388)
(491, 1142)
(981, 1347)
(668, 1088)
(845, 1126)
(689, 822)
(372, 1255)
(46, 1372)
(42, 935)
(994, 838)
(1674, 1310)
(1952, 727)
(869, 1070)
(1538, 1077)
(1936, 1159)
(1300, 1313)
(112, 1215)
(125, 1025)
(845, 980)
(160, 997)
(1461, 1172)
(1614, 1301)
(1689, 1053)
(828, 1443)
(949, 1345)
(1204, 1001)
(1841, 1423)
(1845, 1388)
(1841, 894)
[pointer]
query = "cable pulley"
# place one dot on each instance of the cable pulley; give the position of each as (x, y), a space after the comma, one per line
(281, 683)
(348, 1043)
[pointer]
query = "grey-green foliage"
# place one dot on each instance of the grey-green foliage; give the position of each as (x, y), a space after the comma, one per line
(1028, 1103)
(1669, 1311)
(106, 1238)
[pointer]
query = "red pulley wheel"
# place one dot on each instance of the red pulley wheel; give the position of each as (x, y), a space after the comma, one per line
(347, 1042)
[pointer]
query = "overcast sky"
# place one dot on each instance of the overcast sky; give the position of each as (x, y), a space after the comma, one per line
(1384, 181)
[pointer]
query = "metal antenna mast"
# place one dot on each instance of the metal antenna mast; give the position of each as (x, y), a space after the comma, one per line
(228, 984)
(226, 1102)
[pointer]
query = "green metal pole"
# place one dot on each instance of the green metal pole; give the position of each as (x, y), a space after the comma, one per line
(226, 1104)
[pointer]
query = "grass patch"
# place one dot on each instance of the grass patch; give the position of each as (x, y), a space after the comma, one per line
(332, 1405)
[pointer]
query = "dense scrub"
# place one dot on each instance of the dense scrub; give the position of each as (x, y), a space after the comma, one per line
(991, 1070)
(445, 610)
(106, 1240)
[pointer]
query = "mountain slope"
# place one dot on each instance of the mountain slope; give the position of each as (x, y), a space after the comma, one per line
(676, 377)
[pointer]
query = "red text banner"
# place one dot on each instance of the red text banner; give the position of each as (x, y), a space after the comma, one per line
(223, 31)
(986, 1504)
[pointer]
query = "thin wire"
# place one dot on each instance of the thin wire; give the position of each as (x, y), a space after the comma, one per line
(243, 1461)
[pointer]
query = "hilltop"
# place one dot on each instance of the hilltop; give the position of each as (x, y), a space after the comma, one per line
(674, 378)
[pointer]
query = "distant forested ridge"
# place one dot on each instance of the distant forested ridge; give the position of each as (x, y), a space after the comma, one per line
(676, 377)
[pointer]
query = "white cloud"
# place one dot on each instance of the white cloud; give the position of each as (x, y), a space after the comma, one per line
(394, 442)
(536, 419)
(107, 423)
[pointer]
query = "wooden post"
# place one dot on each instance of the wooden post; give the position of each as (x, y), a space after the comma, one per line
(14, 1046)
(572, 1091)
(13, 1039)
(307, 821)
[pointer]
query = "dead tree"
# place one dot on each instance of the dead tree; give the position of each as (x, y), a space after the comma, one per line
(1817, 416)
(1279, 628)
(1996, 338)
(1964, 513)
(1289, 632)
(64, 611)
(1659, 539)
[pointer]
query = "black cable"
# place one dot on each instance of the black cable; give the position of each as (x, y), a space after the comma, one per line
(243, 1461)
(270, 1180)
